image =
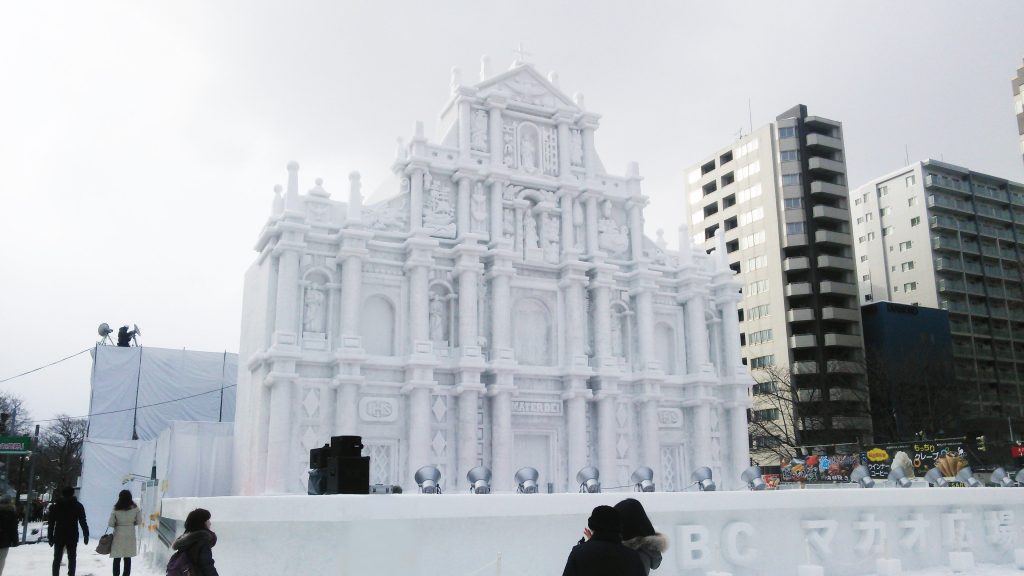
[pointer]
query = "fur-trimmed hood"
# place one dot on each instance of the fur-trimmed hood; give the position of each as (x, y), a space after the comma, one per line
(190, 539)
(656, 542)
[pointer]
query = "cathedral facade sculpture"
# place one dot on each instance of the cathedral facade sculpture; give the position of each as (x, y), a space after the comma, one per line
(500, 302)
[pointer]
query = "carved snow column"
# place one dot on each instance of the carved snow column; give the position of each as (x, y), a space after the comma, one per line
(606, 427)
(589, 124)
(645, 325)
(503, 366)
(576, 424)
(284, 347)
(592, 215)
(415, 197)
(699, 359)
(649, 435)
(728, 297)
(607, 367)
(569, 251)
(562, 119)
(636, 226)
(462, 216)
(465, 122)
(497, 212)
(495, 105)
(420, 367)
(573, 284)
(501, 438)
(349, 356)
(471, 364)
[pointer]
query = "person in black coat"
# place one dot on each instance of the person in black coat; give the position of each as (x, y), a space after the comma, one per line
(638, 533)
(197, 542)
(8, 529)
(603, 554)
(66, 515)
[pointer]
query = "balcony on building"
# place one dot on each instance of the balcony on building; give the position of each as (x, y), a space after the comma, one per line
(953, 306)
(800, 315)
(831, 237)
(823, 142)
(843, 314)
(843, 340)
(803, 341)
(948, 265)
(945, 243)
(796, 263)
(833, 287)
(943, 202)
(836, 262)
(798, 289)
(944, 222)
(830, 213)
(824, 188)
(804, 367)
(844, 367)
(826, 166)
(795, 240)
(950, 285)
(934, 181)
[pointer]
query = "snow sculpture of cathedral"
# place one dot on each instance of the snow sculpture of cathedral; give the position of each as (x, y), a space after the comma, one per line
(502, 307)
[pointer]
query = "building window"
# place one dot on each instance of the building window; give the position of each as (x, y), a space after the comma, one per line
(869, 216)
(760, 337)
(789, 156)
(762, 361)
(906, 266)
(883, 190)
(871, 236)
(757, 262)
(766, 414)
(884, 211)
(904, 246)
(866, 278)
(751, 216)
(860, 220)
(910, 286)
(770, 387)
(887, 230)
(758, 312)
(790, 179)
(861, 239)
(793, 203)
(864, 258)
(910, 181)
(912, 201)
(752, 239)
(757, 287)
(796, 228)
(856, 202)
(787, 132)
(915, 220)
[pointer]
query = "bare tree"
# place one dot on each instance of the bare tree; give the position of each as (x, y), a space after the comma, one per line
(772, 423)
(18, 418)
(60, 449)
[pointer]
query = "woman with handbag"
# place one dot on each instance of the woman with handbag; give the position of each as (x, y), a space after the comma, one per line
(123, 519)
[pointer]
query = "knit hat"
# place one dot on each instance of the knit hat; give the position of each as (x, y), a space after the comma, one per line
(604, 519)
(634, 519)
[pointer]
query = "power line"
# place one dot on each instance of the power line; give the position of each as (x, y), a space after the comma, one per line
(47, 366)
(141, 407)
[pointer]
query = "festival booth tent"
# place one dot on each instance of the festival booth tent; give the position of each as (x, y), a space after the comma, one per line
(136, 391)
(190, 459)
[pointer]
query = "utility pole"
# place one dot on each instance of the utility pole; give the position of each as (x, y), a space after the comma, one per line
(31, 476)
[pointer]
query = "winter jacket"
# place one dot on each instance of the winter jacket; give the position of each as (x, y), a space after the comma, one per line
(198, 546)
(124, 522)
(8, 526)
(66, 515)
(603, 555)
(650, 549)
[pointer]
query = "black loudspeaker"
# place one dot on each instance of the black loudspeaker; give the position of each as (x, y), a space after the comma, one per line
(348, 475)
(318, 457)
(347, 446)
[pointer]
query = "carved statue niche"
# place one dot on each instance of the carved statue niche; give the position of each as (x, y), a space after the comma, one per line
(314, 308)
(550, 238)
(529, 148)
(612, 237)
(478, 130)
(478, 210)
(576, 147)
(530, 230)
(439, 212)
(440, 317)
(578, 220)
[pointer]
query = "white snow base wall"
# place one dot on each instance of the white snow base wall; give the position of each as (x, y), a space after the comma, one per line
(739, 533)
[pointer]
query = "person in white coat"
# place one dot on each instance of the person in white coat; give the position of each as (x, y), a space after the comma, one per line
(123, 519)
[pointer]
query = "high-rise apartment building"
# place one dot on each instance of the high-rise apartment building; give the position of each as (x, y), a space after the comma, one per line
(943, 236)
(780, 197)
(1018, 105)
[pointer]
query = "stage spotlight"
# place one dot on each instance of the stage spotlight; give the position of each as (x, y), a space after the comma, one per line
(966, 476)
(899, 477)
(1001, 478)
(479, 479)
(702, 478)
(105, 331)
(526, 480)
(861, 476)
(589, 480)
(427, 479)
(752, 478)
(935, 478)
(643, 479)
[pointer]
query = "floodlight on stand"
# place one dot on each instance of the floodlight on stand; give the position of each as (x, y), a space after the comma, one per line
(752, 478)
(966, 475)
(589, 480)
(1000, 478)
(642, 479)
(105, 331)
(860, 475)
(702, 478)
(1020, 477)
(427, 478)
(479, 479)
(526, 480)
(899, 477)
(935, 478)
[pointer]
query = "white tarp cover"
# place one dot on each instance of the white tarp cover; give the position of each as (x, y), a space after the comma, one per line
(192, 459)
(141, 389)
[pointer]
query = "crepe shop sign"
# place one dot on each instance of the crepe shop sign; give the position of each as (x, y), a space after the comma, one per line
(739, 543)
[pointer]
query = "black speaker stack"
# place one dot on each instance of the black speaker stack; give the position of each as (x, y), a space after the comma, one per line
(339, 468)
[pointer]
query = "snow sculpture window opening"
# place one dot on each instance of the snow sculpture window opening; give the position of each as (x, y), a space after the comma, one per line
(532, 333)
(378, 326)
(665, 347)
(621, 337)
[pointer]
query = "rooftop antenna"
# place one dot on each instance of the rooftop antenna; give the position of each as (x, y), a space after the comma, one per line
(750, 116)
(739, 133)
(906, 154)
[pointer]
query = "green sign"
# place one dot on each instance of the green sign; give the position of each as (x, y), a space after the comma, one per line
(15, 444)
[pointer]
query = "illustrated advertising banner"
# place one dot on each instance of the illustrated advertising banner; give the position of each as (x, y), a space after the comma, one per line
(948, 456)
(820, 468)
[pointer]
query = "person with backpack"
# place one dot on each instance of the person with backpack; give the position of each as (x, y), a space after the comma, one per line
(193, 554)
(8, 529)
(66, 515)
(638, 533)
(600, 552)
(123, 519)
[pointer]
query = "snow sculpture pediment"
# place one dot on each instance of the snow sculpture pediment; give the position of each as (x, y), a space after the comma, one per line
(524, 84)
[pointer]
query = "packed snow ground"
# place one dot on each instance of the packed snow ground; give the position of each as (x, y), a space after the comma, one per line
(36, 559)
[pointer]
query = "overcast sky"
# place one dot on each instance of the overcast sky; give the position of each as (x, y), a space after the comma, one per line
(140, 141)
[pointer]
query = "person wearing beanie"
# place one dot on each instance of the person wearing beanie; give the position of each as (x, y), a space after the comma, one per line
(602, 553)
(638, 533)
